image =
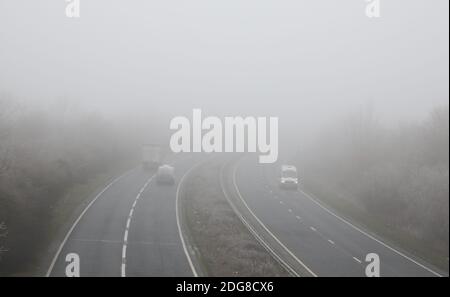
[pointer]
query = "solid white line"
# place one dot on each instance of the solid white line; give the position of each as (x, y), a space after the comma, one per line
(265, 228)
(369, 236)
(130, 217)
(357, 260)
(123, 270)
(61, 246)
(180, 232)
(330, 241)
(253, 232)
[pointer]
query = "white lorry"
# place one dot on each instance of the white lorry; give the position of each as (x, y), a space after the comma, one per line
(151, 156)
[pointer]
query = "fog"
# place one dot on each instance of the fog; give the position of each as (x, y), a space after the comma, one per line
(308, 60)
(125, 68)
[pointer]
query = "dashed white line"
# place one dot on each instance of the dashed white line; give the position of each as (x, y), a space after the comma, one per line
(124, 251)
(357, 260)
(298, 217)
(268, 231)
(330, 241)
(312, 228)
(125, 236)
(314, 200)
(281, 202)
(290, 210)
(58, 252)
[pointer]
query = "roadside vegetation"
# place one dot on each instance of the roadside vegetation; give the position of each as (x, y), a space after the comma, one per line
(46, 154)
(395, 181)
(226, 246)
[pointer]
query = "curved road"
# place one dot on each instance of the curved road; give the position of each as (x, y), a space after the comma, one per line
(130, 229)
(326, 243)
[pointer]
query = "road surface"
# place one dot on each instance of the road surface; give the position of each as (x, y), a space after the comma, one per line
(326, 243)
(130, 229)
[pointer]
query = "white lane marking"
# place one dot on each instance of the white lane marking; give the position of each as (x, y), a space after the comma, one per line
(298, 218)
(127, 228)
(330, 241)
(290, 210)
(357, 260)
(281, 202)
(180, 232)
(368, 235)
(125, 237)
(250, 228)
(124, 251)
(63, 243)
(312, 228)
(265, 228)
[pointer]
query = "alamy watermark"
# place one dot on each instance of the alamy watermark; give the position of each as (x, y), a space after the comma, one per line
(73, 8)
(373, 9)
(233, 134)
(373, 266)
(73, 265)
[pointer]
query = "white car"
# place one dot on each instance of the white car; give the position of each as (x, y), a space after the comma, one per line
(289, 177)
(165, 175)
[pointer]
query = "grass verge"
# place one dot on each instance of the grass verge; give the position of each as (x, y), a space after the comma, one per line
(348, 209)
(226, 247)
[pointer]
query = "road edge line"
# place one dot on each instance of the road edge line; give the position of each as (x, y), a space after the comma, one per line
(254, 233)
(368, 235)
(61, 246)
(265, 228)
(177, 214)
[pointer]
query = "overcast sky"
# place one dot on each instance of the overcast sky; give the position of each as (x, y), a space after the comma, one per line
(309, 59)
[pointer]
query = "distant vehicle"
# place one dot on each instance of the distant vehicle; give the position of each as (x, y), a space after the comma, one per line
(289, 177)
(151, 156)
(165, 175)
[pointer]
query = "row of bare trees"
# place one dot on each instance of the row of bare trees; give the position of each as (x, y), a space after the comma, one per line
(44, 151)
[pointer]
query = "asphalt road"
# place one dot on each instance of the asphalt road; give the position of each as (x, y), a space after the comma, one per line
(130, 229)
(326, 243)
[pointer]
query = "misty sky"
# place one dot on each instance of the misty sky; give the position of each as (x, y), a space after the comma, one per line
(306, 60)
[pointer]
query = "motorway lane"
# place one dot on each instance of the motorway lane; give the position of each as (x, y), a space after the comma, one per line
(154, 246)
(326, 244)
